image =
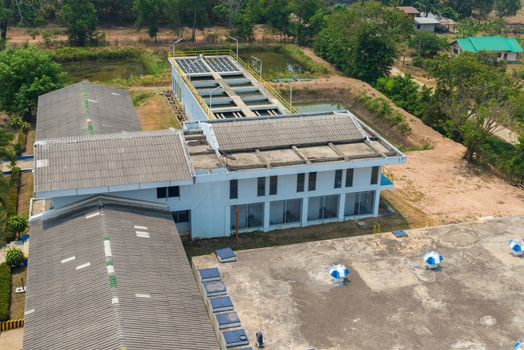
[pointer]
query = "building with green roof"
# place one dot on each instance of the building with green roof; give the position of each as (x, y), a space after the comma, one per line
(505, 48)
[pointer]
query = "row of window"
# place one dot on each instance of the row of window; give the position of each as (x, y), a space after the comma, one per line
(301, 181)
(168, 192)
(290, 211)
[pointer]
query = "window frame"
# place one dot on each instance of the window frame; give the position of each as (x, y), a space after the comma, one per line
(261, 186)
(233, 189)
(375, 175)
(312, 184)
(273, 185)
(349, 177)
(301, 182)
(338, 179)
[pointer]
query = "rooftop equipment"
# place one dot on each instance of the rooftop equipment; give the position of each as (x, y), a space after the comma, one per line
(516, 246)
(433, 260)
(339, 273)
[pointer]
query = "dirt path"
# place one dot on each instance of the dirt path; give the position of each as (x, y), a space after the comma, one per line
(437, 183)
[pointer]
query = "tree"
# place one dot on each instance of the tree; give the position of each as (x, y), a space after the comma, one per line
(361, 39)
(26, 74)
(14, 257)
(5, 140)
(472, 97)
(278, 15)
(373, 53)
(302, 12)
(426, 44)
(148, 15)
(244, 27)
(507, 7)
(79, 16)
(427, 6)
(16, 224)
(22, 12)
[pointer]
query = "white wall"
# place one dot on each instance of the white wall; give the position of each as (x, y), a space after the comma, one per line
(210, 204)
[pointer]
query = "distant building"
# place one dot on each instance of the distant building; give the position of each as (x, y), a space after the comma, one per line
(505, 48)
(425, 23)
(410, 11)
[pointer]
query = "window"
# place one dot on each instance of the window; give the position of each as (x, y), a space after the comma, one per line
(161, 192)
(249, 216)
(173, 191)
(374, 175)
(273, 184)
(285, 212)
(181, 216)
(233, 189)
(325, 207)
(261, 186)
(338, 178)
(300, 182)
(312, 182)
(359, 203)
(349, 178)
(168, 192)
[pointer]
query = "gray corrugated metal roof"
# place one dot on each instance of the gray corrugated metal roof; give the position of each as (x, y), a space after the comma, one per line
(68, 307)
(66, 112)
(251, 133)
(110, 160)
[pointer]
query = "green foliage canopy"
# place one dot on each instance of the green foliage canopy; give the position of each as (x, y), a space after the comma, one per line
(14, 257)
(26, 74)
(79, 17)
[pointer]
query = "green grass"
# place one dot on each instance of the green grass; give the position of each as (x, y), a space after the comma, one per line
(298, 55)
(5, 291)
(155, 62)
(382, 109)
(141, 97)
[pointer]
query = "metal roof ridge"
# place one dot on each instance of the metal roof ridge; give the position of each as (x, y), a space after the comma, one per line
(108, 136)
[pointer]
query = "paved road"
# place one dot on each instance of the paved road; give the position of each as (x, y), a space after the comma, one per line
(12, 340)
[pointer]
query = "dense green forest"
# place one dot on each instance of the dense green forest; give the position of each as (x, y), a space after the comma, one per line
(302, 19)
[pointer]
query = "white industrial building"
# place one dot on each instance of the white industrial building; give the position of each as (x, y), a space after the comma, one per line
(250, 173)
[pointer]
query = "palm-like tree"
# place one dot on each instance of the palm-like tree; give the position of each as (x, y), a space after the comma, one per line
(428, 6)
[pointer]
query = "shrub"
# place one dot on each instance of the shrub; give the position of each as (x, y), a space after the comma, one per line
(14, 257)
(16, 224)
(5, 291)
(383, 110)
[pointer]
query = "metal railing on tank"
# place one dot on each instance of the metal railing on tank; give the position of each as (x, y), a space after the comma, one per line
(247, 67)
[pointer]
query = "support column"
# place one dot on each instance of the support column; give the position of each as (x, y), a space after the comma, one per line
(227, 221)
(341, 206)
(376, 202)
(266, 216)
(304, 211)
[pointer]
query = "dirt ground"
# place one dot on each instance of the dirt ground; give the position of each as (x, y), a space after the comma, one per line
(392, 301)
(129, 36)
(154, 114)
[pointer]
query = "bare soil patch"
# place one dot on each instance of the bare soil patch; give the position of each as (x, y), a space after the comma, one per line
(155, 114)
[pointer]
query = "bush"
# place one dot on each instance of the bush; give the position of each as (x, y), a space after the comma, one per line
(16, 224)
(383, 110)
(405, 93)
(14, 257)
(5, 291)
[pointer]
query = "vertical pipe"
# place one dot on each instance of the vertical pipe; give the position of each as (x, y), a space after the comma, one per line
(236, 222)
